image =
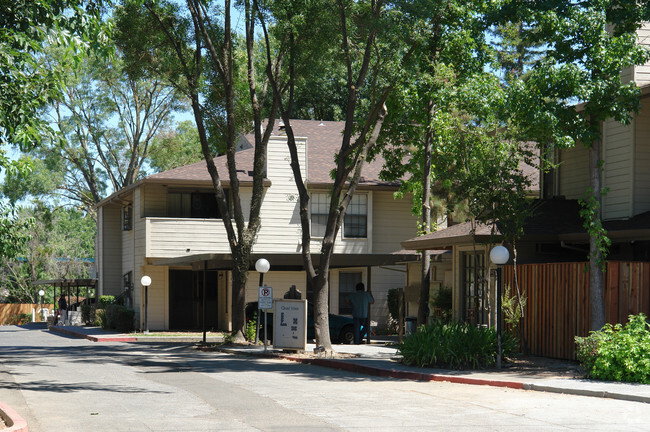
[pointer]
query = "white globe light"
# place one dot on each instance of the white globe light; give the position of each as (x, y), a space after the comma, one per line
(41, 293)
(145, 281)
(499, 255)
(262, 265)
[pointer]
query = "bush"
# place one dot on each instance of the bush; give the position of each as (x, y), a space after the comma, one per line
(88, 314)
(20, 319)
(443, 300)
(250, 328)
(617, 353)
(106, 300)
(100, 318)
(119, 317)
(454, 346)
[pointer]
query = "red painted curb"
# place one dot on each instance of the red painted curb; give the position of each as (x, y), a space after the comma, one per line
(415, 376)
(14, 422)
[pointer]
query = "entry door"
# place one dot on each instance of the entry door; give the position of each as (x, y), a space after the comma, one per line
(186, 300)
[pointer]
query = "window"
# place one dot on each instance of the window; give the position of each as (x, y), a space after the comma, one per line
(127, 218)
(201, 205)
(320, 203)
(347, 285)
(474, 291)
(355, 224)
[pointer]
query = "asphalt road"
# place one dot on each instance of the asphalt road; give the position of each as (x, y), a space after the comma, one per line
(58, 383)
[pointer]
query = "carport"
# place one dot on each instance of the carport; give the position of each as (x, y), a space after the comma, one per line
(285, 262)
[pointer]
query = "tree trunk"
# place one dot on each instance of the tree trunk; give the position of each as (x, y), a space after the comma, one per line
(596, 300)
(321, 312)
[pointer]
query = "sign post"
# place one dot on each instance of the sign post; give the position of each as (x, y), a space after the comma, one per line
(265, 302)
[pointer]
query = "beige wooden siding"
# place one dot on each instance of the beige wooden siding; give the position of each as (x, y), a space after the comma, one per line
(280, 231)
(573, 171)
(642, 160)
(110, 271)
(279, 281)
(392, 222)
(617, 170)
(158, 297)
(384, 279)
(172, 237)
(642, 73)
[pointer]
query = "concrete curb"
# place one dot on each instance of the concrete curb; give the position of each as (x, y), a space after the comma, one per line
(57, 329)
(392, 373)
(14, 422)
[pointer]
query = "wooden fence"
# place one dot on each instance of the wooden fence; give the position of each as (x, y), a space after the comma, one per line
(7, 310)
(558, 301)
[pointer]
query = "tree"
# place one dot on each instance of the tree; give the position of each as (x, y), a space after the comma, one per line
(174, 148)
(373, 44)
(574, 87)
(194, 49)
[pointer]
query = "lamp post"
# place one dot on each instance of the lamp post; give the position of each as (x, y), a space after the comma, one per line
(145, 282)
(262, 265)
(41, 293)
(499, 255)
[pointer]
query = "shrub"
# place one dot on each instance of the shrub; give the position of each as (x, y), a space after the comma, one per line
(20, 319)
(443, 301)
(617, 353)
(88, 313)
(454, 346)
(100, 318)
(106, 300)
(119, 317)
(250, 328)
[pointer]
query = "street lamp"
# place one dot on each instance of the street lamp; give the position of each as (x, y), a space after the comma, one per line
(499, 255)
(262, 265)
(145, 282)
(41, 293)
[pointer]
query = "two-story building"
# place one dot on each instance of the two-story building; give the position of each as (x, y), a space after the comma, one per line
(167, 226)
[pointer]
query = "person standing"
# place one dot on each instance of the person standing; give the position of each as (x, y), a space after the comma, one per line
(63, 309)
(360, 301)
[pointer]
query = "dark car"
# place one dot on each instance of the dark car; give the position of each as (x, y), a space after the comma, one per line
(341, 327)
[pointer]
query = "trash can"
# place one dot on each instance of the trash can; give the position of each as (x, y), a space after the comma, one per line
(410, 323)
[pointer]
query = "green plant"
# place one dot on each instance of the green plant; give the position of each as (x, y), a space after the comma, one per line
(454, 346)
(106, 300)
(617, 353)
(88, 313)
(100, 318)
(443, 301)
(20, 319)
(512, 306)
(119, 317)
(228, 339)
(250, 328)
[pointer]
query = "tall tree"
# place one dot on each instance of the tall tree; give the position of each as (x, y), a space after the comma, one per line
(373, 44)
(193, 47)
(574, 87)
(172, 148)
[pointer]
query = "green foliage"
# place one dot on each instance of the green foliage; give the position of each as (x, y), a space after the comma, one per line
(106, 300)
(512, 306)
(119, 317)
(589, 212)
(444, 301)
(617, 353)
(250, 328)
(100, 318)
(19, 319)
(454, 346)
(88, 314)
(393, 303)
(14, 232)
(173, 148)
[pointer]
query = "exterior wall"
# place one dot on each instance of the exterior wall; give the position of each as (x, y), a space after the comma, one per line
(157, 296)
(642, 159)
(109, 259)
(618, 175)
(279, 281)
(642, 73)
(573, 175)
(154, 201)
(392, 222)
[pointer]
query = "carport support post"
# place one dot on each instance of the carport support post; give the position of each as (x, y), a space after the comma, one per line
(369, 271)
(205, 282)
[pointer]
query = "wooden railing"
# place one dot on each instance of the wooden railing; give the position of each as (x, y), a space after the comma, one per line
(558, 301)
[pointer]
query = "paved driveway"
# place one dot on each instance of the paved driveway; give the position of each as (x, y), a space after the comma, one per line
(76, 385)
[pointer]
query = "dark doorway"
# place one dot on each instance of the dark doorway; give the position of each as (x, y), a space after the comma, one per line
(186, 297)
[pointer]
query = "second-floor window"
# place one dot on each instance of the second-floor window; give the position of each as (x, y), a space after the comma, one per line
(193, 205)
(355, 224)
